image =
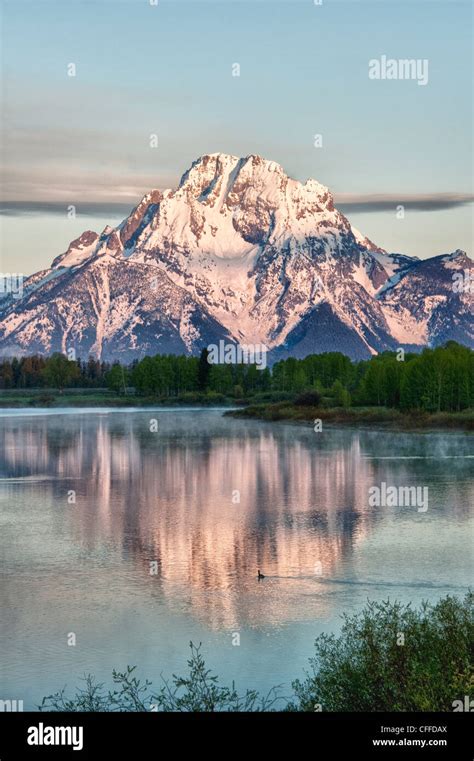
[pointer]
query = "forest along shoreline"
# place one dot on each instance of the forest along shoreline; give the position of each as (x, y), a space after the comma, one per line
(394, 390)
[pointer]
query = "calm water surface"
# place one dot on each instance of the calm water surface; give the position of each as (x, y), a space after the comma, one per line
(171, 498)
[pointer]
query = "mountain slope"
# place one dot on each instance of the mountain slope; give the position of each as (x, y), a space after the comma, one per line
(238, 251)
(422, 305)
(109, 308)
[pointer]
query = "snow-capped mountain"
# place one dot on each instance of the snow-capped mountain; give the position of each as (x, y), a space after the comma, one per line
(238, 251)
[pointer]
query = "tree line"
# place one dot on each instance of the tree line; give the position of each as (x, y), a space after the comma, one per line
(56, 371)
(435, 380)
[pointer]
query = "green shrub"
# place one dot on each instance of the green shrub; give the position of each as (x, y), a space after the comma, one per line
(199, 691)
(271, 396)
(391, 657)
(388, 657)
(308, 399)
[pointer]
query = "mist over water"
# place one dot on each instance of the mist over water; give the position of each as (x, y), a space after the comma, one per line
(209, 500)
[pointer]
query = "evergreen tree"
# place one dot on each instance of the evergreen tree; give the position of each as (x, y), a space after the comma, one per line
(204, 370)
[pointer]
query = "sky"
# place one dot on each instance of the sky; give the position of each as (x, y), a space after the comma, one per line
(166, 69)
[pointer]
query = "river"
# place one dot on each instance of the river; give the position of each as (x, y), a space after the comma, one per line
(138, 531)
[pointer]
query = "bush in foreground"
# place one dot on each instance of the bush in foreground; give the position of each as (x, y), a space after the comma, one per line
(199, 691)
(388, 657)
(391, 657)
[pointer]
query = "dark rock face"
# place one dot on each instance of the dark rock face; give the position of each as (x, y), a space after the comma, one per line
(321, 331)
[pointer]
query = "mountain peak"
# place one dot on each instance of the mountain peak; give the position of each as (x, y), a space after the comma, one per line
(227, 183)
(205, 168)
(238, 251)
(78, 250)
(457, 254)
(210, 167)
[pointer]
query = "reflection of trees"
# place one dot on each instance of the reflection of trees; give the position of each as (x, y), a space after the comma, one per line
(29, 450)
(60, 441)
(167, 497)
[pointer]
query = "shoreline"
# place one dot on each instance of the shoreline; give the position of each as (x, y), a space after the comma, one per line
(78, 401)
(374, 418)
(361, 418)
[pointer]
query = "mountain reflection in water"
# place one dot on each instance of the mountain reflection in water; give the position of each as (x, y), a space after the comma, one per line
(209, 500)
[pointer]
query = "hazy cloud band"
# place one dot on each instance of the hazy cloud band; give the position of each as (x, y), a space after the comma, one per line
(347, 203)
(350, 203)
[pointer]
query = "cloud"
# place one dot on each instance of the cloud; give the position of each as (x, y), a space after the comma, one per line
(118, 200)
(91, 208)
(352, 202)
(36, 191)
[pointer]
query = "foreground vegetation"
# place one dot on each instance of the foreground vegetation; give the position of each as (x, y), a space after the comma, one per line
(388, 657)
